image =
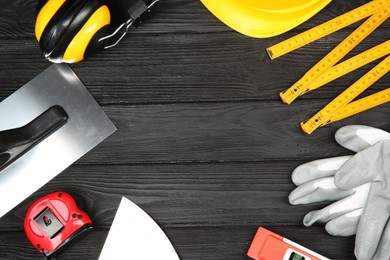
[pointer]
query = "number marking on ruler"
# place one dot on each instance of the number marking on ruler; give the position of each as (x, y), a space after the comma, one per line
(361, 105)
(326, 28)
(303, 85)
(351, 64)
(323, 116)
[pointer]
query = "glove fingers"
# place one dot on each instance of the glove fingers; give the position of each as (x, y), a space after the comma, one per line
(382, 252)
(345, 225)
(317, 169)
(346, 205)
(358, 137)
(320, 216)
(361, 168)
(332, 211)
(316, 191)
(371, 225)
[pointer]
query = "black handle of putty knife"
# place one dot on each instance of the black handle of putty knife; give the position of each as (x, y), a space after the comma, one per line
(15, 142)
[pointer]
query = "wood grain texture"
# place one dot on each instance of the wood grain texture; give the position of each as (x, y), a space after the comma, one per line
(232, 131)
(209, 243)
(181, 195)
(204, 145)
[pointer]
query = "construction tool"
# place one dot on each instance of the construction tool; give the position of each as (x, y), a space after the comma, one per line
(16, 142)
(303, 85)
(267, 245)
(363, 104)
(135, 235)
(262, 19)
(326, 28)
(324, 116)
(53, 221)
(350, 65)
(327, 70)
(86, 126)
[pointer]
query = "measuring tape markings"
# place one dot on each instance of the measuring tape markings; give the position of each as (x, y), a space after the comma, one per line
(360, 105)
(351, 64)
(326, 28)
(322, 117)
(302, 86)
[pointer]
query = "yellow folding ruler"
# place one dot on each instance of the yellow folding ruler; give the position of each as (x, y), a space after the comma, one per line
(326, 69)
(325, 115)
(360, 105)
(326, 28)
(303, 85)
(351, 64)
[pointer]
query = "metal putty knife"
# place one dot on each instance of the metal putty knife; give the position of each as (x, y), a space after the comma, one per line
(45, 126)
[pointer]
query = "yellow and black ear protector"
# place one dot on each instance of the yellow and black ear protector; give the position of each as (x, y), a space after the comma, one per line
(72, 30)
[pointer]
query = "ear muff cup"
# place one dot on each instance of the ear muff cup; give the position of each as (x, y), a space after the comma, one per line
(65, 28)
(95, 45)
(40, 4)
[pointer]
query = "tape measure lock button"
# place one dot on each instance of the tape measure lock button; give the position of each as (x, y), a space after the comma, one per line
(48, 222)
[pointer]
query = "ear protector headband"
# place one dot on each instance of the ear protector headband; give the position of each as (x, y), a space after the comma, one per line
(72, 30)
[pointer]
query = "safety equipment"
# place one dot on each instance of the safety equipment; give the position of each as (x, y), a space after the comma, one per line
(342, 216)
(371, 165)
(71, 30)
(315, 181)
(263, 19)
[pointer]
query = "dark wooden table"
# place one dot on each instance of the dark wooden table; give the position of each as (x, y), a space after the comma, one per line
(204, 144)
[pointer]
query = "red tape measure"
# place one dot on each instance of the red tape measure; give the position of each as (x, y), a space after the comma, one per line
(53, 221)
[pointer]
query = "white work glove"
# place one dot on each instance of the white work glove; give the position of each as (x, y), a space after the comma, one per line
(315, 182)
(371, 165)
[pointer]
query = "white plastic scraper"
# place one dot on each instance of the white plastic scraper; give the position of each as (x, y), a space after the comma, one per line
(135, 235)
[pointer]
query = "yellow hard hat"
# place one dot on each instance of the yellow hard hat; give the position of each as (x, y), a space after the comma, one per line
(261, 18)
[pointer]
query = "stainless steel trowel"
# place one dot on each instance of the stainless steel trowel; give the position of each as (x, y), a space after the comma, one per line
(45, 126)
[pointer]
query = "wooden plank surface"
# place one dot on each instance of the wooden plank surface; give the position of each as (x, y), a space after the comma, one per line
(204, 145)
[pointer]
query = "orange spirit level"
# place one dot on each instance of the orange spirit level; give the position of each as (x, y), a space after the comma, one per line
(270, 246)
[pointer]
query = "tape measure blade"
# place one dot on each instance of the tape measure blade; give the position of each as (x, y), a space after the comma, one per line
(324, 115)
(351, 64)
(303, 85)
(361, 105)
(326, 28)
